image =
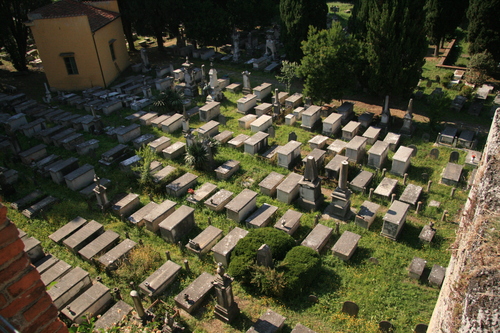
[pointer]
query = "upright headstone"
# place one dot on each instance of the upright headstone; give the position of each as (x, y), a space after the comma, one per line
(292, 136)
(247, 89)
(226, 308)
(350, 308)
(434, 154)
(264, 256)
(386, 114)
(454, 155)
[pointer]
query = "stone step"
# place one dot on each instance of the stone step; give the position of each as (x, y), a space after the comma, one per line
(99, 245)
(113, 316)
(113, 258)
(83, 236)
(68, 229)
(69, 286)
(89, 304)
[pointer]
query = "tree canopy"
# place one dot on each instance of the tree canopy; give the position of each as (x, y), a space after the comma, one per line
(484, 27)
(328, 65)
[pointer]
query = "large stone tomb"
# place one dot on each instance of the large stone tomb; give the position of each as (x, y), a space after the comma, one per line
(311, 117)
(367, 214)
(126, 205)
(68, 229)
(288, 190)
(83, 236)
(361, 181)
(69, 286)
(158, 214)
(80, 177)
(202, 193)
(411, 194)
(205, 240)
(355, 149)
(451, 174)
(318, 237)
(395, 219)
(209, 111)
(222, 250)
(261, 217)
(256, 143)
(178, 224)
(113, 316)
(93, 301)
(401, 161)
(193, 295)
(113, 258)
(289, 222)
(288, 154)
(331, 124)
(269, 184)
(218, 201)
(180, 186)
(99, 245)
(386, 187)
(157, 282)
(269, 322)
(346, 245)
(242, 205)
(174, 151)
(377, 154)
(350, 130)
(393, 140)
(332, 169)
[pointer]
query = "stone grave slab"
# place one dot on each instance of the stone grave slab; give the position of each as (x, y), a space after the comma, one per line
(218, 201)
(393, 140)
(371, 134)
(242, 205)
(86, 147)
(401, 160)
(346, 245)
(256, 143)
(448, 135)
(367, 213)
(113, 258)
(92, 301)
(246, 103)
(157, 214)
(395, 219)
(128, 133)
(224, 137)
(205, 240)
(22, 234)
(147, 118)
(222, 250)
(386, 187)
(143, 140)
(193, 295)
(175, 150)
(421, 328)
(59, 137)
(209, 111)
(61, 168)
(157, 282)
(299, 328)
(9, 177)
(271, 152)
(81, 177)
(377, 154)
(311, 117)
(70, 142)
(101, 244)
(238, 141)
(30, 198)
(45, 263)
(331, 124)
(350, 130)
(269, 322)
(318, 141)
(114, 154)
(68, 229)
(288, 190)
(69, 286)
(427, 234)
(127, 164)
(289, 222)
(261, 217)
(172, 124)
(261, 123)
(159, 144)
(361, 181)
(437, 275)
(163, 173)
(37, 207)
(111, 318)
(178, 224)
(411, 194)
(269, 184)
(55, 272)
(451, 174)
(333, 167)
(83, 236)
(88, 191)
(202, 193)
(126, 205)
(355, 149)
(318, 155)
(416, 268)
(180, 186)
(33, 249)
(208, 130)
(227, 169)
(288, 154)
(43, 164)
(33, 154)
(318, 237)
(262, 109)
(158, 120)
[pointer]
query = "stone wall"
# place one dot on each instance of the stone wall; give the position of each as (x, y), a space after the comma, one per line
(24, 301)
(469, 299)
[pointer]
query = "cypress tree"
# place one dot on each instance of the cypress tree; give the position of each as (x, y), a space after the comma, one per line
(484, 27)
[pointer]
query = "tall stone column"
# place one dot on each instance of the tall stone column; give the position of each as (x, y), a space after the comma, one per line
(226, 308)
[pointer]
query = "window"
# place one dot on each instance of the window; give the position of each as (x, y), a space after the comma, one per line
(112, 49)
(71, 65)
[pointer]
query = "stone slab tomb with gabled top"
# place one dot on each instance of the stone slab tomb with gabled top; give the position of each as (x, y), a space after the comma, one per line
(288, 190)
(222, 250)
(158, 120)
(269, 322)
(377, 155)
(113, 258)
(262, 216)
(93, 301)
(126, 205)
(361, 182)
(178, 224)
(242, 205)
(256, 143)
(83, 236)
(386, 187)
(157, 214)
(59, 137)
(395, 219)
(175, 150)
(411, 194)
(180, 185)
(37, 207)
(111, 318)
(401, 161)
(101, 244)
(289, 222)
(45, 263)
(451, 174)
(157, 282)
(205, 240)
(288, 154)
(193, 295)
(269, 184)
(68, 229)
(318, 237)
(69, 286)
(227, 169)
(218, 201)
(202, 193)
(238, 141)
(346, 245)
(367, 214)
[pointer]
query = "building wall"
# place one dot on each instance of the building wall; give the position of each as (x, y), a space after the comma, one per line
(24, 301)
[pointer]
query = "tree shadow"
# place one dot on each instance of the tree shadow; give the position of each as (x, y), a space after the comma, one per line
(409, 236)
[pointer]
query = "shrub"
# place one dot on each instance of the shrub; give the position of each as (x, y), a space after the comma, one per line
(301, 266)
(269, 281)
(142, 260)
(466, 91)
(245, 252)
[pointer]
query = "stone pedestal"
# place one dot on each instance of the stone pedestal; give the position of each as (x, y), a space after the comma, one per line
(341, 203)
(226, 308)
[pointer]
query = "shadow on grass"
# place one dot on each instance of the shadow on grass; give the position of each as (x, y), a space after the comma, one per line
(409, 236)
(360, 256)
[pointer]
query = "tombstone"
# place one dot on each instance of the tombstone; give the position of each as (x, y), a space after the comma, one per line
(205, 240)
(269, 184)
(346, 245)
(28, 199)
(144, 57)
(111, 318)
(447, 136)
(95, 300)
(311, 117)
(466, 139)
(245, 121)
(264, 256)
(411, 194)
(319, 158)
(299, 328)
(416, 268)
(157, 214)
(256, 143)
(394, 220)
(350, 308)
(427, 233)
(385, 326)
(288, 154)
(174, 151)
(261, 124)
(178, 224)
(355, 149)
(318, 142)
(350, 130)
(101, 244)
(310, 186)
(288, 190)
(39, 206)
(172, 124)
(222, 250)
(114, 257)
(157, 282)
(434, 154)
(377, 154)
(371, 134)
(238, 141)
(69, 286)
(126, 205)
(386, 114)
(401, 161)
(451, 174)
(318, 237)
(437, 275)
(336, 148)
(68, 229)
(261, 217)
(271, 131)
(226, 308)
(289, 222)
(180, 185)
(129, 133)
(262, 91)
(246, 103)
(202, 193)
(55, 271)
(415, 150)
(269, 322)
(193, 295)
(367, 214)
(242, 205)
(80, 177)
(421, 328)
(33, 248)
(209, 111)
(33, 154)
(83, 236)
(454, 156)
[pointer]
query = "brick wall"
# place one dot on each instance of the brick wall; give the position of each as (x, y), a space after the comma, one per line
(24, 301)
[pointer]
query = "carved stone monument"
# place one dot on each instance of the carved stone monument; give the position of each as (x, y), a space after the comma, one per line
(226, 308)
(310, 186)
(247, 89)
(341, 203)
(407, 128)
(386, 114)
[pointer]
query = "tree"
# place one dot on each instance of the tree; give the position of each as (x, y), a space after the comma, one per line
(152, 18)
(484, 27)
(249, 14)
(329, 62)
(296, 17)
(129, 16)
(288, 73)
(13, 32)
(481, 65)
(168, 101)
(394, 46)
(200, 153)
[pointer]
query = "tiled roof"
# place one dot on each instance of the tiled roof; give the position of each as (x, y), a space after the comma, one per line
(98, 18)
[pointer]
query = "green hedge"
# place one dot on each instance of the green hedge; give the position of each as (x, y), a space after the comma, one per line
(301, 266)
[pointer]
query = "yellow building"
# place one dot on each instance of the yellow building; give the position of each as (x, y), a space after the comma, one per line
(81, 44)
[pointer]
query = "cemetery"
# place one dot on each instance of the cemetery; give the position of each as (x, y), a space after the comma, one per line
(359, 210)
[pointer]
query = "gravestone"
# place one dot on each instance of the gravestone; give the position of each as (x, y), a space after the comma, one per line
(30, 198)
(242, 205)
(157, 214)
(288, 190)
(411, 194)
(269, 184)
(178, 224)
(264, 256)
(427, 233)
(157, 282)
(437, 275)
(69, 286)
(318, 237)
(205, 240)
(99, 245)
(114, 257)
(350, 308)
(385, 326)
(55, 272)
(454, 156)
(68, 229)
(222, 250)
(289, 222)
(226, 308)
(434, 154)
(224, 137)
(355, 149)
(415, 150)
(401, 160)
(180, 186)
(202, 193)
(299, 328)
(222, 119)
(394, 219)
(83, 236)
(218, 201)
(269, 322)
(416, 268)
(292, 136)
(174, 151)
(361, 181)
(451, 174)
(238, 141)
(126, 205)
(367, 214)
(426, 137)
(93, 301)
(271, 131)
(421, 328)
(288, 154)
(261, 217)
(193, 295)
(346, 245)
(113, 316)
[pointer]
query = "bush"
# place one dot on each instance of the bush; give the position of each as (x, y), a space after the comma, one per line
(245, 253)
(269, 281)
(301, 266)
(142, 261)
(466, 91)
